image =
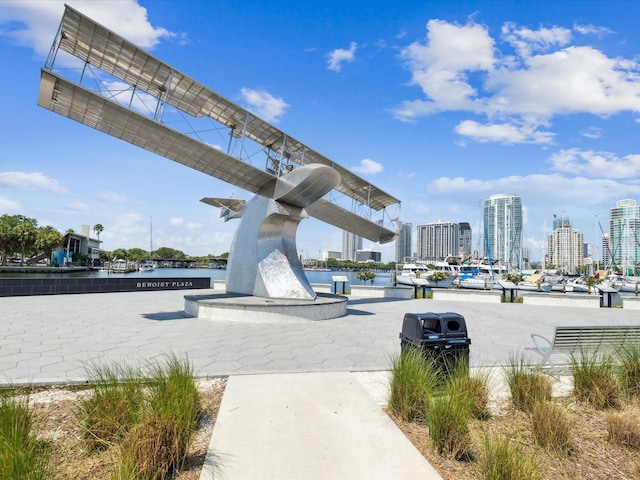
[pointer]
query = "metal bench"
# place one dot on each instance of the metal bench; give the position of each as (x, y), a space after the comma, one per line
(591, 339)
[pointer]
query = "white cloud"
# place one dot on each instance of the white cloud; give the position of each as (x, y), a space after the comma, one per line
(176, 221)
(502, 133)
(34, 180)
(77, 206)
(33, 23)
(193, 225)
(440, 66)
(592, 132)
(460, 68)
(368, 167)
(596, 164)
(572, 80)
(559, 190)
(527, 41)
(339, 56)
(264, 105)
(592, 30)
(112, 197)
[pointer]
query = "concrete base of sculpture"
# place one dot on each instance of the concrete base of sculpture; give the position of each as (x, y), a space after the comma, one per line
(232, 307)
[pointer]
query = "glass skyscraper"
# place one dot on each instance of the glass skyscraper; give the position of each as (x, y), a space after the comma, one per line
(624, 235)
(403, 241)
(503, 229)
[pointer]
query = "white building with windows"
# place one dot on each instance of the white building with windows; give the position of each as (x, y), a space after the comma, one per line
(624, 236)
(565, 247)
(502, 218)
(438, 240)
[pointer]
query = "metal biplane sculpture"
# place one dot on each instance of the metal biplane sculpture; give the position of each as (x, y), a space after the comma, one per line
(263, 260)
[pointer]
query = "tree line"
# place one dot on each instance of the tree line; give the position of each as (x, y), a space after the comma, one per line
(21, 237)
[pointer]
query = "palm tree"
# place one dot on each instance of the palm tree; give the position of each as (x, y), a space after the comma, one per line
(97, 228)
(25, 233)
(8, 224)
(47, 239)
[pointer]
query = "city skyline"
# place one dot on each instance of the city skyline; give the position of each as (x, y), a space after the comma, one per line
(542, 102)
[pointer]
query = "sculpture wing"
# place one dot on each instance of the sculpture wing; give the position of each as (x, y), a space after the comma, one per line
(333, 214)
(230, 208)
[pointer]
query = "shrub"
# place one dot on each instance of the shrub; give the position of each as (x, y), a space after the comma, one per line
(502, 458)
(413, 380)
(473, 389)
(21, 454)
(624, 428)
(551, 426)
(149, 450)
(159, 443)
(448, 421)
(526, 386)
(114, 407)
(629, 369)
(594, 380)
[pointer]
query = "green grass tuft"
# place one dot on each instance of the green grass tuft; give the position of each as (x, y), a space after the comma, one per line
(594, 380)
(503, 458)
(526, 386)
(22, 456)
(414, 378)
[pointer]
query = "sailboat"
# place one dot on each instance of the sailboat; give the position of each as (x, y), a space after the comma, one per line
(147, 265)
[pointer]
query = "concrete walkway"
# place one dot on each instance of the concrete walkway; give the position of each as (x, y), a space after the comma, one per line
(274, 423)
(313, 426)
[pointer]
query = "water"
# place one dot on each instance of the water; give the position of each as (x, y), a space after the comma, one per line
(382, 279)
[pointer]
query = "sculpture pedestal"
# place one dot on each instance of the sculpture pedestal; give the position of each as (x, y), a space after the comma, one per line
(232, 307)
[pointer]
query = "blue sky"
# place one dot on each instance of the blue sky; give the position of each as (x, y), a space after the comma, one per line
(438, 103)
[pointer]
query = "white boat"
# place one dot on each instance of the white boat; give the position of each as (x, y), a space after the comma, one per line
(146, 266)
(624, 284)
(475, 282)
(418, 273)
(535, 283)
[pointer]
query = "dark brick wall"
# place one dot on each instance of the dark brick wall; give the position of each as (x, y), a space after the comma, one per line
(12, 287)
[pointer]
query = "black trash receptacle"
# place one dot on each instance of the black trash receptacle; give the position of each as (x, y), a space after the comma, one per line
(440, 336)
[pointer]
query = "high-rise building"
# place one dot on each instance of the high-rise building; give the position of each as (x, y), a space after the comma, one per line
(624, 235)
(437, 240)
(368, 255)
(503, 229)
(606, 258)
(403, 241)
(565, 246)
(464, 243)
(351, 243)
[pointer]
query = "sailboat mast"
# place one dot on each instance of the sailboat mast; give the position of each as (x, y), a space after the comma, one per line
(150, 236)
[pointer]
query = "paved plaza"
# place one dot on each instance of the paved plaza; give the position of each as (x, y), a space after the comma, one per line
(303, 399)
(50, 339)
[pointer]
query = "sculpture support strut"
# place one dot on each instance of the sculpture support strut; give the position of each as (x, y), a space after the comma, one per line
(263, 260)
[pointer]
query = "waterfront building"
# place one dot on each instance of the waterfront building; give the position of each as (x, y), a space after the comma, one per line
(333, 254)
(437, 240)
(351, 243)
(368, 255)
(503, 229)
(464, 242)
(403, 241)
(565, 246)
(624, 235)
(78, 244)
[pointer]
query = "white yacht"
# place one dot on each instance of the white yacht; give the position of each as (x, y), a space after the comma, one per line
(418, 273)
